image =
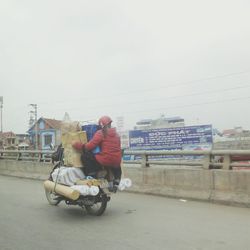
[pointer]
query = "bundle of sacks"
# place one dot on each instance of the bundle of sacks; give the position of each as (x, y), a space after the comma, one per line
(67, 176)
(75, 178)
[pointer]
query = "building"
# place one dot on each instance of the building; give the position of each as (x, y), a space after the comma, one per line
(236, 133)
(124, 139)
(8, 140)
(235, 138)
(23, 142)
(22, 138)
(48, 130)
(162, 122)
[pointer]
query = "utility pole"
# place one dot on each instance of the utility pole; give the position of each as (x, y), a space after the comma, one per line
(1, 107)
(34, 106)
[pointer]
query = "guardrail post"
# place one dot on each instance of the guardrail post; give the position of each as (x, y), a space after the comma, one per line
(226, 162)
(39, 157)
(18, 156)
(206, 161)
(144, 161)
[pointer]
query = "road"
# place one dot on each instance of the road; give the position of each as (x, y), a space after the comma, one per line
(132, 221)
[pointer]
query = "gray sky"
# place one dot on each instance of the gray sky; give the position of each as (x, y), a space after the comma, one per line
(135, 58)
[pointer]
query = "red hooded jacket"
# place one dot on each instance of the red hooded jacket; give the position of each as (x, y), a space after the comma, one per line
(110, 145)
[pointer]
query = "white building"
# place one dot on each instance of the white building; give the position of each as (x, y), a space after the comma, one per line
(162, 122)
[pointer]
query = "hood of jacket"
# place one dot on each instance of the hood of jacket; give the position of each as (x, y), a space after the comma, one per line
(111, 132)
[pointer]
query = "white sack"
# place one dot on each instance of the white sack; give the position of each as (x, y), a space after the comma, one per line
(67, 176)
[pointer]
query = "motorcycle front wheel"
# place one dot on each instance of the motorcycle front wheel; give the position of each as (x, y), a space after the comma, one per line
(52, 198)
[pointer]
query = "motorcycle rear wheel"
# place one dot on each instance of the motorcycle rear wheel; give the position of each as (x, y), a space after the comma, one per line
(52, 198)
(98, 208)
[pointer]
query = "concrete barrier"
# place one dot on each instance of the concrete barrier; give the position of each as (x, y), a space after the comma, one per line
(34, 170)
(221, 186)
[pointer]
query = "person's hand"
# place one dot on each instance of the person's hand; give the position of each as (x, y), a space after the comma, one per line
(77, 145)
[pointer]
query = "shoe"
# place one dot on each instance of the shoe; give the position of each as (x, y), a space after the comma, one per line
(113, 189)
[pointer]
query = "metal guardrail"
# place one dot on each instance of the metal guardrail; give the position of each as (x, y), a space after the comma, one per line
(27, 155)
(210, 158)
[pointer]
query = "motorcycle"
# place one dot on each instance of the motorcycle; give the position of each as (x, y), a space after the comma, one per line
(94, 204)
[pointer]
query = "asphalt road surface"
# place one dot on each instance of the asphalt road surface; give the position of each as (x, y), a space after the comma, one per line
(131, 221)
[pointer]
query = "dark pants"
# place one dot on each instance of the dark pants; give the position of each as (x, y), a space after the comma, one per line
(90, 165)
(117, 172)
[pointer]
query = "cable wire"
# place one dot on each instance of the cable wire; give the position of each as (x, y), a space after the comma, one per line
(151, 89)
(169, 97)
(192, 105)
(174, 97)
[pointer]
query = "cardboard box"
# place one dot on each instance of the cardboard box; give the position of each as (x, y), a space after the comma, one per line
(72, 158)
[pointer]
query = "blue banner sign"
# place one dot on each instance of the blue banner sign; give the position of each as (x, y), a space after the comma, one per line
(186, 138)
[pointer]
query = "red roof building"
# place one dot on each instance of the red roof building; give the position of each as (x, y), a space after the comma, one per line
(48, 131)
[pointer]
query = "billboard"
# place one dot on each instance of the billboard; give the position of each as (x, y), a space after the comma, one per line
(180, 138)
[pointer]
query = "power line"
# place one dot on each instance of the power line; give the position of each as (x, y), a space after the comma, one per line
(172, 97)
(181, 106)
(152, 89)
(178, 96)
(188, 82)
(191, 105)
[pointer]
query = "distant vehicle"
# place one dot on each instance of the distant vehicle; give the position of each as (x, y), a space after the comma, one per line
(239, 159)
(23, 146)
(236, 158)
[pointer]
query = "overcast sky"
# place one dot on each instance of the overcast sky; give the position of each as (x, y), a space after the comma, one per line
(135, 58)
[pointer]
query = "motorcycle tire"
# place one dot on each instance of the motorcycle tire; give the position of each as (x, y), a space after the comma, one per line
(98, 208)
(51, 197)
